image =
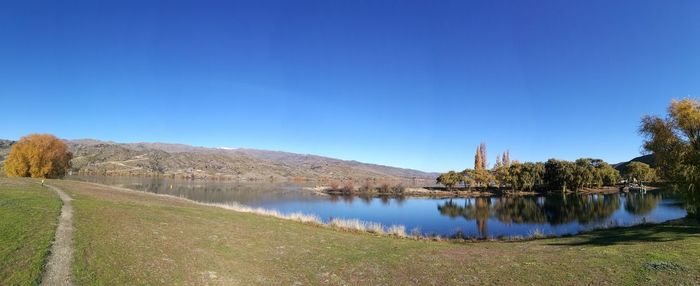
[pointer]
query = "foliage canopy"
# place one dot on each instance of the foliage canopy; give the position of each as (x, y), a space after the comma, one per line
(675, 142)
(38, 156)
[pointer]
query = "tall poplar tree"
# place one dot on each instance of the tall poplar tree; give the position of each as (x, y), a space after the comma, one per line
(506, 158)
(482, 150)
(478, 160)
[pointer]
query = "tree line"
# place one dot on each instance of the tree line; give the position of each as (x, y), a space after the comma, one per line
(674, 141)
(528, 176)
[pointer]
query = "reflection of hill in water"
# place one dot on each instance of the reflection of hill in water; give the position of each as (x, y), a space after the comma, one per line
(554, 210)
(252, 193)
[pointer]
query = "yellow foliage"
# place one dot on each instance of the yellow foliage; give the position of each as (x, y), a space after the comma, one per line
(686, 114)
(38, 156)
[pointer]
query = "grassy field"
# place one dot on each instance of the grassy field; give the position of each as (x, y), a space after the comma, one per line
(28, 220)
(127, 237)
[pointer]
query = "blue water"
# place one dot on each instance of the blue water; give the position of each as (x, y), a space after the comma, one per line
(487, 217)
(473, 217)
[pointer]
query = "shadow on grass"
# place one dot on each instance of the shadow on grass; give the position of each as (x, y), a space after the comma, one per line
(665, 232)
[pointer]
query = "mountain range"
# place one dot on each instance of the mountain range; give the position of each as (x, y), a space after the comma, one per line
(177, 160)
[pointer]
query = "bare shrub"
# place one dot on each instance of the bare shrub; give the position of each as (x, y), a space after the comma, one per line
(384, 188)
(399, 188)
(348, 187)
(366, 186)
(334, 185)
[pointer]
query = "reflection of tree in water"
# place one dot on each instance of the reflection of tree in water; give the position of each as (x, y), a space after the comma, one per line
(333, 198)
(348, 199)
(519, 210)
(559, 209)
(641, 204)
(450, 209)
(367, 199)
(478, 209)
(565, 209)
(400, 199)
(336, 198)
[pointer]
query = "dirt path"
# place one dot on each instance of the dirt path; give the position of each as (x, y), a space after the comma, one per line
(58, 271)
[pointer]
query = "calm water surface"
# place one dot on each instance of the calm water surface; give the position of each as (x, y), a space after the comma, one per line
(474, 217)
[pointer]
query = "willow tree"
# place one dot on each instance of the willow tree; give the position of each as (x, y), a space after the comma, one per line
(450, 179)
(638, 171)
(559, 175)
(526, 176)
(675, 142)
(38, 156)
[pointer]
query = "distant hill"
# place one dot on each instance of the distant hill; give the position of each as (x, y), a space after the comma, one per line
(4, 150)
(178, 160)
(646, 159)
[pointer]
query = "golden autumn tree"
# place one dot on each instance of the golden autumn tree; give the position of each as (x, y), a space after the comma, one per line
(484, 160)
(38, 156)
(481, 175)
(480, 157)
(478, 161)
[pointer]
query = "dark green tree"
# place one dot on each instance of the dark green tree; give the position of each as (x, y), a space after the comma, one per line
(559, 174)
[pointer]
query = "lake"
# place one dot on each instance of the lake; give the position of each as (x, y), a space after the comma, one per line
(474, 217)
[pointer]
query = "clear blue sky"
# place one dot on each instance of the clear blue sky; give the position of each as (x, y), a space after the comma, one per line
(406, 83)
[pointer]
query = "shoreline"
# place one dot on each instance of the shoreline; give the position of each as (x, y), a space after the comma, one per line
(408, 192)
(149, 230)
(370, 227)
(442, 192)
(374, 228)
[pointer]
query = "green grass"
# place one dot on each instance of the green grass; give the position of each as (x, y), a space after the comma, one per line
(126, 237)
(28, 220)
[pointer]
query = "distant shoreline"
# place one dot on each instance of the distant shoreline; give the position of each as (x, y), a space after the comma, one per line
(442, 192)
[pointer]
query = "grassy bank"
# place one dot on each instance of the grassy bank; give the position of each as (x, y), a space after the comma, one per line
(28, 220)
(126, 237)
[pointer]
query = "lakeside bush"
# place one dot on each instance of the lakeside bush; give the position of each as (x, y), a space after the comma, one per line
(383, 187)
(348, 186)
